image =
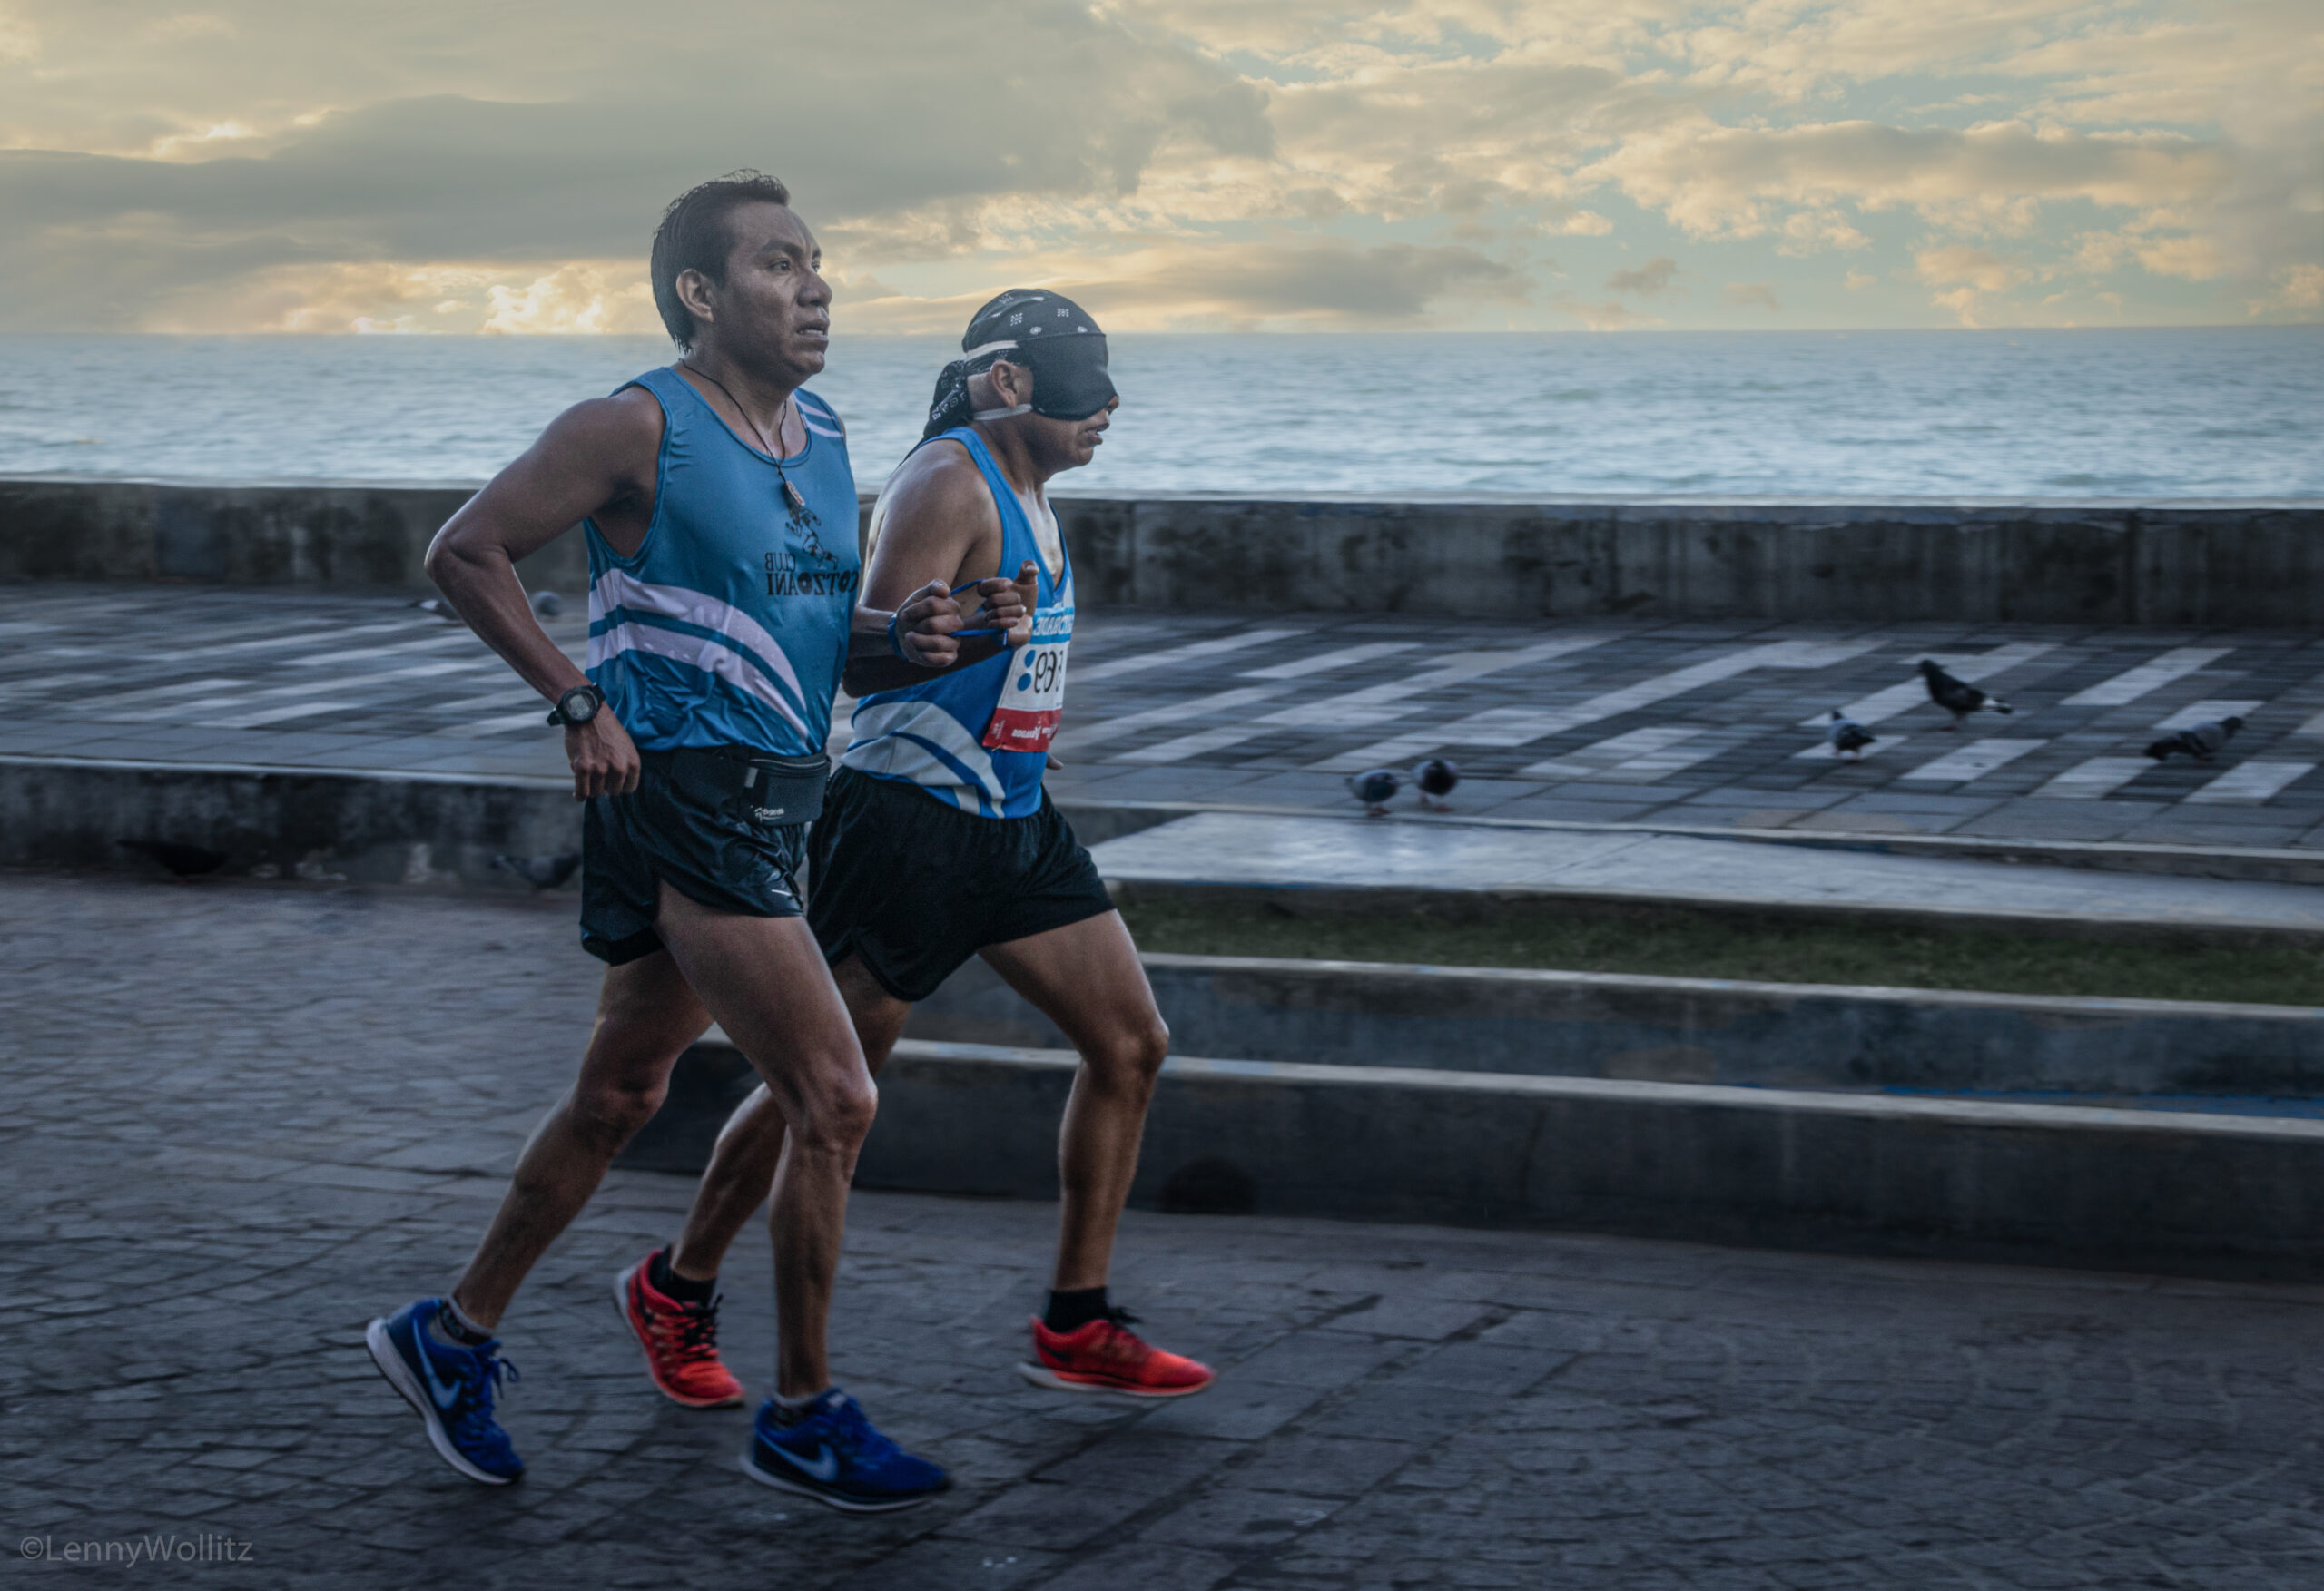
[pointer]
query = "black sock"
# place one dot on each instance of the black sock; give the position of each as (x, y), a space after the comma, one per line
(1069, 1312)
(670, 1284)
(451, 1327)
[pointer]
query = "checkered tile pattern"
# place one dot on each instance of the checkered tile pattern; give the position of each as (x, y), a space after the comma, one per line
(1700, 725)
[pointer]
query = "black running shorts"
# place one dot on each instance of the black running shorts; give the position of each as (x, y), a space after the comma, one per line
(915, 887)
(710, 848)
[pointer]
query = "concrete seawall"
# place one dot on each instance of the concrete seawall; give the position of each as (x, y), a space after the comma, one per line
(328, 534)
(2225, 565)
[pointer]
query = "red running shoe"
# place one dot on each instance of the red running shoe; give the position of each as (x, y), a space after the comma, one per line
(1104, 1356)
(680, 1340)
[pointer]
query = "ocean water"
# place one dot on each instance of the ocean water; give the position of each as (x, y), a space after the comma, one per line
(2154, 414)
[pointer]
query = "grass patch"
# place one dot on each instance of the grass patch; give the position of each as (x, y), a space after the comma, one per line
(1682, 944)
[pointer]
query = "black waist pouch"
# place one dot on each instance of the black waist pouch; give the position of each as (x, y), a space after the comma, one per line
(757, 785)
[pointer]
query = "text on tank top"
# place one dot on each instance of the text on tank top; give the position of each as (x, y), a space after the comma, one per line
(729, 625)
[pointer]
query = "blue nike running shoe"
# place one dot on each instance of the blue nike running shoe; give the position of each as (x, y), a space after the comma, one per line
(833, 1455)
(452, 1388)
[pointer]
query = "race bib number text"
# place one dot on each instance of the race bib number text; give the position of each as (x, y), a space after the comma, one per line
(1031, 700)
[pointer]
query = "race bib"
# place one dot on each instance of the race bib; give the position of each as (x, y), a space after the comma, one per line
(1034, 695)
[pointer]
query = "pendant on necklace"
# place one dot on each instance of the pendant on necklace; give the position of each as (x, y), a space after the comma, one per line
(791, 495)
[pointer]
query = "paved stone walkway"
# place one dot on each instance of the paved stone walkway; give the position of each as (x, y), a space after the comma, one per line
(1682, 723)
(239, 1120)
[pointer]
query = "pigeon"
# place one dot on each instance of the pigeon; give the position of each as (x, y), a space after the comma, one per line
(1376, 788)
(1958, 697)
(542, 873)
(1848, 737)
(2202, 742)
(547, 604)
(1436, 777)
(184, 861)
(438, 606)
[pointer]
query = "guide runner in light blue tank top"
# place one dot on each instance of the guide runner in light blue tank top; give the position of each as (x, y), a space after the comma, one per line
(938, 843)
(723, 569)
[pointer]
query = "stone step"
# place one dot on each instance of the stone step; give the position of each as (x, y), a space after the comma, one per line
(1632, 1027)
(1357, 865)
(1096, 821)
(1785, 1168)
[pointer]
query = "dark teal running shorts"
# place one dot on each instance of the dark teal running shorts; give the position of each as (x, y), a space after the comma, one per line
(711, 846)
(913, 886)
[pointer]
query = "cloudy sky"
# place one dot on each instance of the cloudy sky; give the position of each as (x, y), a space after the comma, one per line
(319, 166)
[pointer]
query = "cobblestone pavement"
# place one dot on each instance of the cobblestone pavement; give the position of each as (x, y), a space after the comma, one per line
(240, 1119)
(1684, 724)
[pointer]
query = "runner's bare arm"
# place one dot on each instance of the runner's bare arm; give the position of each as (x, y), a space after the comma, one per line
(596, 458)
(941, 530)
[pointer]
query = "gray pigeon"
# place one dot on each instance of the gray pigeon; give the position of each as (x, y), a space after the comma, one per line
(542, 873)
(1376, 787)
(438, 606)
(1436, 777)
(547, 604)
(2202, 742)
(1958, 697)
(1848, 737)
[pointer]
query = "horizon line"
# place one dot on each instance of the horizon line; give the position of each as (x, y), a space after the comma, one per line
(1575, 331)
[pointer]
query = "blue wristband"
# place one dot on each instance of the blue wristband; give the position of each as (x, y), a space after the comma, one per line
(974, 634)
(895, 641)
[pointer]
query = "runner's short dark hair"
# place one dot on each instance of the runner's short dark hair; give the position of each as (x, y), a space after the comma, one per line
(693, 236)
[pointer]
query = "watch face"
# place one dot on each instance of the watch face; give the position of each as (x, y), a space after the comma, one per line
(578, 706)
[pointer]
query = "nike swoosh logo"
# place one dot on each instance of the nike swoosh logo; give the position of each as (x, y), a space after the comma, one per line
(825, 1466)
(445, 1395)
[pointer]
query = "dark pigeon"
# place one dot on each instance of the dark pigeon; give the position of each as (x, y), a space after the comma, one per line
(1958, 697)
(2202, 742)
(547, 604)
(1436, 777)
(1848, 737)
(1376, 787)
(542, 873)
(184, 861)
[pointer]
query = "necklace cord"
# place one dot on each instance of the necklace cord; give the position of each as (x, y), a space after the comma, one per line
(801, 514)
(773, 446)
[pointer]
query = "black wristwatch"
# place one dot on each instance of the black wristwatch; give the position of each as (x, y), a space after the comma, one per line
(578, 705)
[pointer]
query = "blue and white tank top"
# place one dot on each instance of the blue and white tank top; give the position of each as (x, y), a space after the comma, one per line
(979, 737)
(729, 625)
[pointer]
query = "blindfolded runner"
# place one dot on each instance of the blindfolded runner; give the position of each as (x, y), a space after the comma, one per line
(937, 842)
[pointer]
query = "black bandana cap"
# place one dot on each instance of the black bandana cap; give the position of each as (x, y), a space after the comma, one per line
(1046, 332)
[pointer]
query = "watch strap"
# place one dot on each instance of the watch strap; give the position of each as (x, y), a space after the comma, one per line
(557, 709)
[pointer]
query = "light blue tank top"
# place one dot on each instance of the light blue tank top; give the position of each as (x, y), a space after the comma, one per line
(979, 737)
(729, 625)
